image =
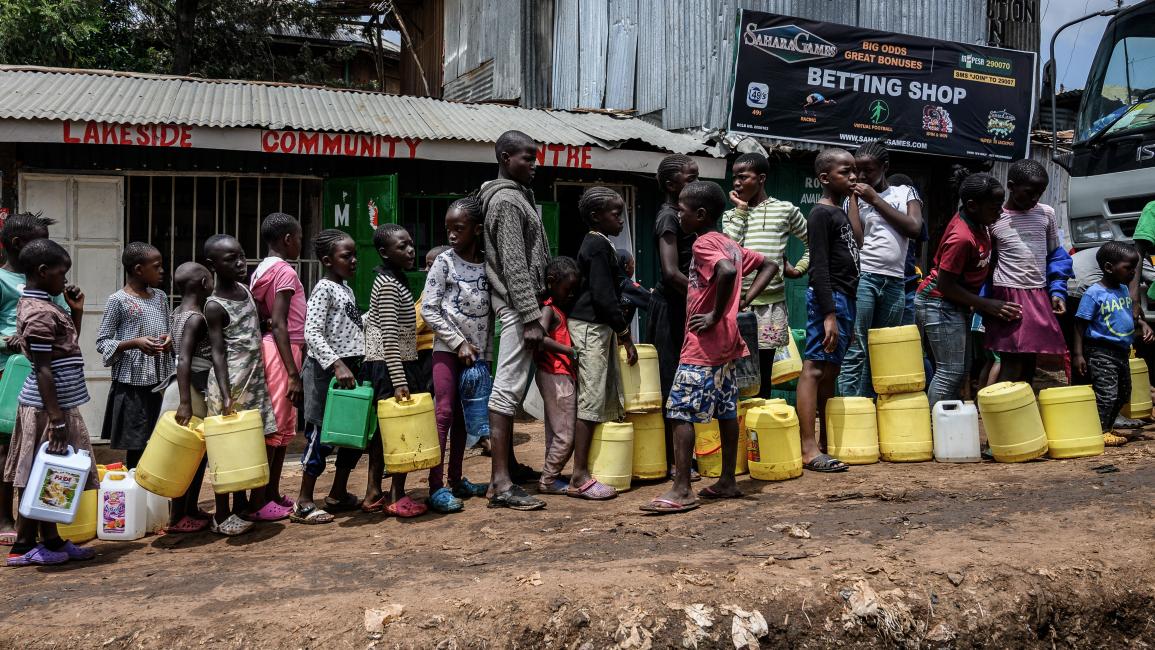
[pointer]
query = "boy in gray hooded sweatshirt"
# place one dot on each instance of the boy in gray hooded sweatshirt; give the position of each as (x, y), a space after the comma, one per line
(516, 254)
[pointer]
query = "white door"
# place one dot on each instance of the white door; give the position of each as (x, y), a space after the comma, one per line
(89, 214)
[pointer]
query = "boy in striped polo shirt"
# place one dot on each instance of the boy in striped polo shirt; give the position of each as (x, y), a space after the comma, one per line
(764, 224)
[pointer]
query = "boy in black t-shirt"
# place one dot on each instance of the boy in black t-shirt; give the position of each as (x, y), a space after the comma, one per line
(834, 240)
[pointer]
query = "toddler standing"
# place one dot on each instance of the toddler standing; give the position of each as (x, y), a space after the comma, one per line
(134, 340)
(556, 372)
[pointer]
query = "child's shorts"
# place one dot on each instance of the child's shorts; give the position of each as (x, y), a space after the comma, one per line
(702, 393)
(816, 331)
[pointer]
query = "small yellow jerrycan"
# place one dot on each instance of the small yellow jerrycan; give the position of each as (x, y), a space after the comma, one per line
(235, 445)
(1012, 422)
(612, 454)
(171, 457)
(708, 448)
(787, 363)
(409, 433)
(649, 445)
(1139, 408)
(775, 445)
(641, 385)
(83, 526)
(744, 407)
(1071, 421)
(904, 428)
(852, 430)
(896, 360)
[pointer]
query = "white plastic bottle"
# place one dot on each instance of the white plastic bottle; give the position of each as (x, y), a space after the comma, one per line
(956, 432)
(123, 508)
(55, 485)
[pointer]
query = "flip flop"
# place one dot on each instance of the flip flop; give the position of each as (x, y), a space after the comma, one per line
(376, 506)
(668, 507)
(710, 493)
(592, 490)
(285, 501)
(7, 537)
(272, 511)
(345, 504)
(516, 498)
(406, 508)
(187, 525)
(826, 464)
(311, 516)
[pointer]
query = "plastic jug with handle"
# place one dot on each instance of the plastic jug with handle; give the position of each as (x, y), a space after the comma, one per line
(349, 419)
(852, 430)
(744, 407)
(708, 448)
(896, 360)
(641, 387)
(123, 508)
(55, 485)
(1012, 422)
(408, 433)
(1139, 406)
(787, 363)
(172, 456)
(612, 454)
(235, 445)
(904, 434)
(16, 371)
(748, 370)
(775, 444)
(649, 445)
(956, 432)
(1071, 421)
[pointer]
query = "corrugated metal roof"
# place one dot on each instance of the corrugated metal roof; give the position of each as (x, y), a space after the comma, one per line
(131, 98)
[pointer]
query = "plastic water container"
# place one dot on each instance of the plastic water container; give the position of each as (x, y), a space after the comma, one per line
(956, 432)
(708, 448)
(474, 386)
(157, 512)
(16, 371)
(349, 420)
(612, 454)
(852, 430)
(904, 428)
(171, 457)
(775, 445)
(1012, 422)
(55, 485)
(896, 360)
(649, 445)
(409, 433)
(744, 407)
(1139, 408)
(641, 385)
(235, 445)
(787, 363)
(123, 508)
(1071, 421)
(83, 526)
(748, 369)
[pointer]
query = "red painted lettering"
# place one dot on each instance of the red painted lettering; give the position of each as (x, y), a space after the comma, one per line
(541, 155)
(269, 140)
(392, 145)
(168, 136)
(68, 137)
(556, 149)
(349, 143)
(586, 163)
(413, 144)
(142, 136)
(332, 144)
(108, 134)
(185, 137)
(571, 156)
(288, 141)
(308, 142)
(92, 133)
(366, 146)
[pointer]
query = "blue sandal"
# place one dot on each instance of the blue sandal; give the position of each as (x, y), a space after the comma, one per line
(465, 489)
(444, 502)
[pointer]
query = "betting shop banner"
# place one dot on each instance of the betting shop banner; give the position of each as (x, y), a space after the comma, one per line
(835, 84)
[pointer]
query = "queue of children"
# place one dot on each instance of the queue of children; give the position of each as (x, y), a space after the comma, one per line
(239, 343)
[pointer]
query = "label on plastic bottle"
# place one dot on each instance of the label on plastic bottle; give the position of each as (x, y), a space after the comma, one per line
(59, 488)
(113, 512)
(753, 454)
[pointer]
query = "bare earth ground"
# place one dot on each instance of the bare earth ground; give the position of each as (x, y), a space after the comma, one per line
(1043, 554)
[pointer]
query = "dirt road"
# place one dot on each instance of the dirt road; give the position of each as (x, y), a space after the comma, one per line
(1043, 554)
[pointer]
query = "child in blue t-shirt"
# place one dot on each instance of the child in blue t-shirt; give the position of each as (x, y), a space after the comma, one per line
(1104, 330)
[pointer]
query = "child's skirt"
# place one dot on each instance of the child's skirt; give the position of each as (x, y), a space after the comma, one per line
(32, 430)
(130, 415)
(1037, 332)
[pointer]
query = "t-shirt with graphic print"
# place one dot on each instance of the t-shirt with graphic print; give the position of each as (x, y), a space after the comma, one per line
(1108, 315)
(833, 255)
(720, 344)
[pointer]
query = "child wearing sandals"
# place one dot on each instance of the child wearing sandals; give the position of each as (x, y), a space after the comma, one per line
(186, 395)
(557, 372)
(335, 337)
(51, 396)
(456, 306)
(237, 381)
(391, 356)
(597, 326)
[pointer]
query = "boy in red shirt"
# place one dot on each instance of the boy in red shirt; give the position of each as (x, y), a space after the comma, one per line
(704, 386)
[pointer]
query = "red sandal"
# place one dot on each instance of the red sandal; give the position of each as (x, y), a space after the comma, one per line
(406, 508)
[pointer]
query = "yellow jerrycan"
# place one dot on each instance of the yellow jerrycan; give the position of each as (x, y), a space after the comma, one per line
(1011, 418)
(235, 445)
(896, 360)
(708, 448)
(83, 526)
(787, 363)
(171, 457)
(612, 454)
(852, 430)
(649, 445)
(1139, 408)
(775, 445)
(744, 407)
(1071, 421)
(409, 433)
(904, 434)
(641, 386)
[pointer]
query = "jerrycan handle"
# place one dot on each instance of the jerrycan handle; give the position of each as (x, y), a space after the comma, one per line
(950, 405)
(333, 385)
(44, 450)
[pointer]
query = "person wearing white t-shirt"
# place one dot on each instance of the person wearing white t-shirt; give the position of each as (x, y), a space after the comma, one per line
(891, 217)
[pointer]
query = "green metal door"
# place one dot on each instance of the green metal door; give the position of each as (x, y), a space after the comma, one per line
(358, 206)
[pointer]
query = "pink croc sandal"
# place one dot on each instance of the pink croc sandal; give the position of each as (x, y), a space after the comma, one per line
(187, 525)
(272, 511)
(406, 508)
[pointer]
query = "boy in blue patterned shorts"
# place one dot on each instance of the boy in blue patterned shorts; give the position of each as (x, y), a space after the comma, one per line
(704, 386)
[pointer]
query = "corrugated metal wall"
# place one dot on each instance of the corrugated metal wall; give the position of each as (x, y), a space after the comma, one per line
(565, 54)
(622, 54)
(477, 31)
(650, 87)
(593, 33)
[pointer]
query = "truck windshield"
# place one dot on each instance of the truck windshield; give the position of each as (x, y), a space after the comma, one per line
(1120, 93)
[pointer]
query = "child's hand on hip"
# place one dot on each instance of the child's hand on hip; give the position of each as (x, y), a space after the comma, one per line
(830, 326)
(401, 394)
(701, 322)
